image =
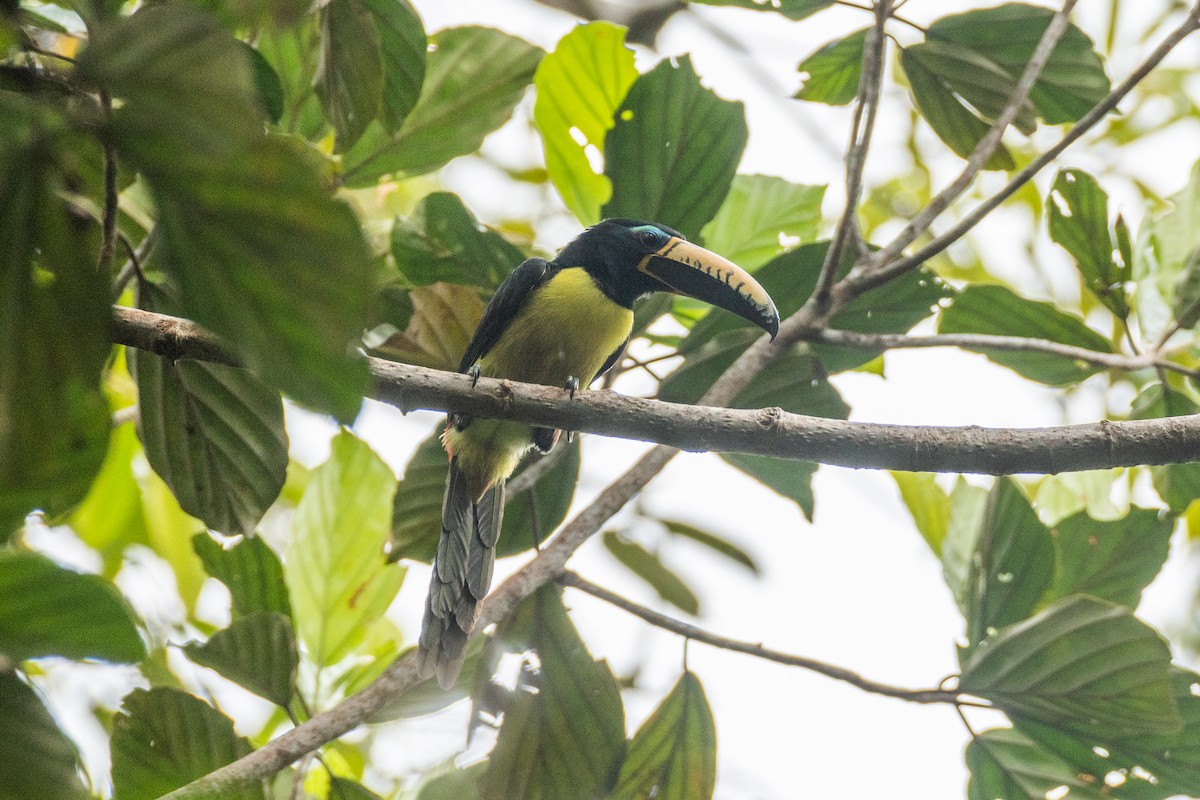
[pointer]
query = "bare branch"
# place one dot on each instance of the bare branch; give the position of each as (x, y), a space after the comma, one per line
(984, 150)
(856, 284)
(108, 242)
(856, 156)
(770, 431)
(698, 634)
(1011, 344)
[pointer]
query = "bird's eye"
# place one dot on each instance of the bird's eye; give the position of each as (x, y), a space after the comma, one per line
(651, 237)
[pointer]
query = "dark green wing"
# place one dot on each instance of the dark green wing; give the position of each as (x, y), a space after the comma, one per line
(504, 307)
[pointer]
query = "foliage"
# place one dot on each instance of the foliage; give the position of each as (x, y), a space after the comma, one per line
(272, 172)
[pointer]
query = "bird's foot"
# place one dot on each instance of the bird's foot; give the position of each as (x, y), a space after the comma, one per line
(474, 373)
(572, 386)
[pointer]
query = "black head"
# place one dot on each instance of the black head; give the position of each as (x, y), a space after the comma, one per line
(630, 259)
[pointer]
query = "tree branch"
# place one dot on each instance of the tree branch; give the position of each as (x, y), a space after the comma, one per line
(857, 283)
(772, 432)
(856, 156)
(1012, 344)
(757, 650)
(984, 150)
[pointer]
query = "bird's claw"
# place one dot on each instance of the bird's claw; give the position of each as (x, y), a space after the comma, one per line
(474, 373)
(572, 385)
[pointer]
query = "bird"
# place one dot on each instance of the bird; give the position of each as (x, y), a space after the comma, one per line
(557, 323)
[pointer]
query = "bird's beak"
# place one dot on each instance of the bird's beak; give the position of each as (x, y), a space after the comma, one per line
(688, 269)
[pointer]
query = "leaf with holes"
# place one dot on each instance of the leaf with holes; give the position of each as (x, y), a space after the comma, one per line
(1081, 665)
(257, 652)
(335, 567)
(579, 88)
(763, 217)
(832, 74)
(673, 756)
(474, 77)
(673, 149)
(47, 610)
(566, 737)
(1013, 563)
(214, 433)
(164, 738)
(1078, 210)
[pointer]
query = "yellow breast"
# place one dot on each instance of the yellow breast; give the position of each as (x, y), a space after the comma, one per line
(567, 329)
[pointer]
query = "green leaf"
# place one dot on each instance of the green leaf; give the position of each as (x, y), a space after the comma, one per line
(1177, 484)
(1154, 767)
(165, 738)
(579, 88)
(1072, 80)
(349, 79)
(442, 241)
(251, 571)
(763, 217)
(792, 9)
(568, 739)
(257, 652)
(443, 318)
(427, 696)
(1006, 764)
(968, 504)
(712, 542)
(213, 433)
(266, 80)
(955, 124)
(262, 255)
(673, 756)
(1059, 496)
(789, 479)
(402, 45)
(551, 495)
(46, 610)
(1187, 294)
(1013, 564)
(832, 74)
(647, 566)
(974, 78)
(1165, 245)
(36, 758)
(53, 325)
(1078, 210)
(1113, 561)
(928, 504)
(473, 79)
(336, 574)
(459, 784)
(673, 149)
(1081, 665)
(345, 789)
(999, 311)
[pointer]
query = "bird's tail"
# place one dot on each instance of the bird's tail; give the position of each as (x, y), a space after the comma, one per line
(462, 572)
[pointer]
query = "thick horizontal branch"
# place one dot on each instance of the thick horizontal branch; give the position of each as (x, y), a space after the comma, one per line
(757, 650)
(769, 431)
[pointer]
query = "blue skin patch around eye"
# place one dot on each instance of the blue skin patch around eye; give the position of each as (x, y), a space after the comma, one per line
(660, 235)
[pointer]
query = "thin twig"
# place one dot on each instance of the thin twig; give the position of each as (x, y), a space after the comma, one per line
(891, 15)
(695, 633)
(855, 284)
(856, 155)
(1012, 344)
(133, 266)
(984, 150)
(108, 225)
